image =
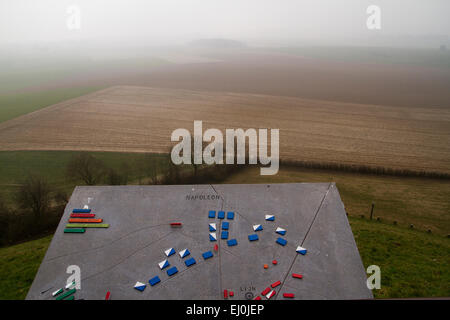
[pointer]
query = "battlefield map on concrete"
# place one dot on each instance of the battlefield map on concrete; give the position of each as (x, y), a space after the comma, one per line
(264, 241)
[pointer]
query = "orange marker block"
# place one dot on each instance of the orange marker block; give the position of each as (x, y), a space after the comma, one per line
(81, 220)
(266, 266)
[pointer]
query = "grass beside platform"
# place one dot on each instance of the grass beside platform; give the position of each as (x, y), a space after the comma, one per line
(412, 263)
(18, 267)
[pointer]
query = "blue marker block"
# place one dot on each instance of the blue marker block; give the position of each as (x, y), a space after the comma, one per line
(257, 227)
(232, 242)
(140, 286)
(207, 255)
(212, 214)
(184, 253)
(169, 252)
(281, 241)
(230, 215)
(154, 281)
(81, 211)
(253, 237)
(225, 225)
(164, 264)
(189, 262)
(281, 231)
(221, 214)
(224, 235)
(172, 271)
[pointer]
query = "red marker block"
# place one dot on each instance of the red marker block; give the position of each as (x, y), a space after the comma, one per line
(108, 294)
(274, 261)
(176, 224)
(231, 293)
(275, 284)
(85, 220)
(225, 293)
(296, 275)
(271, 294)
(258, 298)
(288, 295)
(216, 247)
(82, 215)
(266, 291)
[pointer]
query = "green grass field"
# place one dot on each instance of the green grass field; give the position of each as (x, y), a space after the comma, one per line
(13, 105)
(23, 78)
(17, 165)
(423, 202)
(413, 263)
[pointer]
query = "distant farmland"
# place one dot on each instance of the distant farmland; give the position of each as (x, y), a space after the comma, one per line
(141, 119)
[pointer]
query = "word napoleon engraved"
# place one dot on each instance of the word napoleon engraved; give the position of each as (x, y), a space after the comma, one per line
(213, 153)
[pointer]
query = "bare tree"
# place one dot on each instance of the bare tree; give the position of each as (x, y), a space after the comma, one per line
(125, 171)
(199, 154)
(87, 168)
(61, 198)
(34, 194)
(115, 178)
(5, 221)
(139, 169)
(153, 170)
(173, 175)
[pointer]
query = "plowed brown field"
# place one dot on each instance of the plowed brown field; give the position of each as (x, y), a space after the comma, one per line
(141, 119)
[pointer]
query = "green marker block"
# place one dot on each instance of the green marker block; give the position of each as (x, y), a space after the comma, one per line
(59, 291)
(69, 298)
(87, 225)
(74, 230)
(66, 294)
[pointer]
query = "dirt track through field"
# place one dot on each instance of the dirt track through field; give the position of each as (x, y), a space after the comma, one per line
(141, 119)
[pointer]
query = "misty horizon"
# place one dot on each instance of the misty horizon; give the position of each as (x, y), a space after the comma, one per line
(138, 23)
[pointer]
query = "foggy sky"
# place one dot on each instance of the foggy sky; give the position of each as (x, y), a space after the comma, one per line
(178, 21)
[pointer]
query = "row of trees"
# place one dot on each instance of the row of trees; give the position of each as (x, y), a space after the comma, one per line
(89, 170)
(148, 169)
(365, 169)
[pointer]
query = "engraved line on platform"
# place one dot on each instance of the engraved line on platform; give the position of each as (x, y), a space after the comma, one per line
(107, 243)
(125, 258)
(304, 238)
